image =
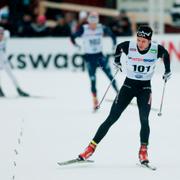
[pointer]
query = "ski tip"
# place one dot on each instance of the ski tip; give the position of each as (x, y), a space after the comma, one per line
(147, 165)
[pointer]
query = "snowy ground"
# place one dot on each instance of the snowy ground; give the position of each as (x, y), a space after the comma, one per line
(60, 124)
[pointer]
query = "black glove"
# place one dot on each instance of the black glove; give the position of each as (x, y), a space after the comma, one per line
(78, 47)
(117, 62)
(118, 66)
(117, 59)
(167, 76)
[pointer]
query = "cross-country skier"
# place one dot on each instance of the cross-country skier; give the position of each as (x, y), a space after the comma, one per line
(4, 35)
(92, 34)
(142, 57)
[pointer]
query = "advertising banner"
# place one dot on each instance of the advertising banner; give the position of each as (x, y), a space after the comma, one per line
(60, 54)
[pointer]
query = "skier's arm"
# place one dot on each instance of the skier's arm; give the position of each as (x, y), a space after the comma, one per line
(163, 53)
(122, 47)
(108, 32)
(75, 35)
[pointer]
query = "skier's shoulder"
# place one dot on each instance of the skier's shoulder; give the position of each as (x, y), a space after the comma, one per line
(123, 45)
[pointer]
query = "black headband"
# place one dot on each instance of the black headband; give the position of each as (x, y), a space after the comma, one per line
(145, 32)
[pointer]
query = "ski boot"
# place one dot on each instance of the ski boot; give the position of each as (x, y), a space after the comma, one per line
(88, 151)
(143, 155)
(22, 93)
(1, 93)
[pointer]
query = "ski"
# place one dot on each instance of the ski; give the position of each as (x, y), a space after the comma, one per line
(26, 97)
(40, 97)
(74, 161)
(148, 166)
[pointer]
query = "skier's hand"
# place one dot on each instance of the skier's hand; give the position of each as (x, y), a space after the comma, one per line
(167, 76)
(78, 47)
(118, 65)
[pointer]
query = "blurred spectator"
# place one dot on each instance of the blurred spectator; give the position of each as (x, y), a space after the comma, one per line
(4, 15)
(17, 10)
(82, 19)
(25, 27)
(52, 13)
(71, 21)
(15, 14)
(39, 27)
(121, 26)
(61, 29)
(175, 12)
(4, 12)
(4, 18)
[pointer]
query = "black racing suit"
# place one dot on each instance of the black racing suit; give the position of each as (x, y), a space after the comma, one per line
(133, 88)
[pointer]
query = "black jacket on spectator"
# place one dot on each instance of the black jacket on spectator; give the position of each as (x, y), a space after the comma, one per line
(38, 31)
(61, 31)
(121, 26)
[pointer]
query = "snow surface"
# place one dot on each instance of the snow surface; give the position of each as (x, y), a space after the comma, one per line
(58, 126)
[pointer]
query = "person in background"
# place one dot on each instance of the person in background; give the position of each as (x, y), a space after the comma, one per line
(39, 27)
(4, 35)
(24, 30)
(175, 12)
(4, 19)
(121, 25)
(71, 21)
(92, 34)
(61, 29)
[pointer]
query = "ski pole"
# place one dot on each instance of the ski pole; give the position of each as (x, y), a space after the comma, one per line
(162, 99)
(98, 106)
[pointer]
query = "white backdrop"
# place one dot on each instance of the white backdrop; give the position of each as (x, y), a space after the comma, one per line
(59, 53)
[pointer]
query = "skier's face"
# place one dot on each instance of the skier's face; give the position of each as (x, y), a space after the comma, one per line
(93, 19)
(142, 43)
